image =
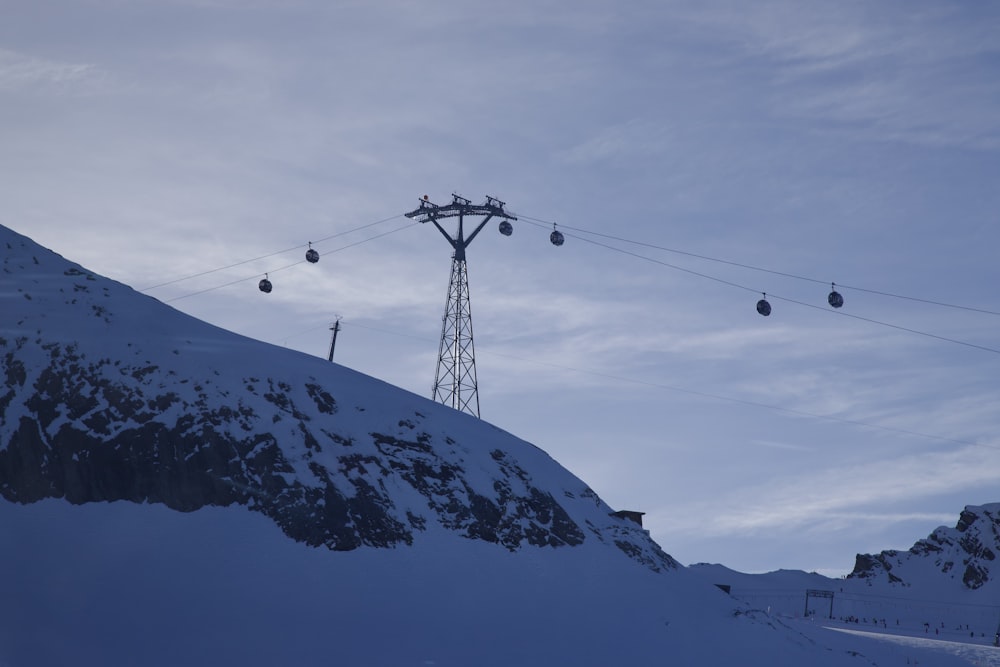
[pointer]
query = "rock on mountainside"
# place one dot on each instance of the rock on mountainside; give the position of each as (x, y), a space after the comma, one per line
(111, 395)
(967, 552)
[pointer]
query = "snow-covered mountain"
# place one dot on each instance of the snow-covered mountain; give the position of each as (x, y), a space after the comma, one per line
(110, 396)
(967, 553)
(945, 586)
(177, 494)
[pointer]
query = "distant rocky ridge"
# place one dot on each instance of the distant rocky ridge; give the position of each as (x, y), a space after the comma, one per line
(110, 395)
(968, 551)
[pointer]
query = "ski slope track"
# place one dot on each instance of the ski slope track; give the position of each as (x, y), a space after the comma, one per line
(174, 493)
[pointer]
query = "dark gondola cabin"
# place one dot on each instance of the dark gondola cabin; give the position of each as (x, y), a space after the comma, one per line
(835, 299)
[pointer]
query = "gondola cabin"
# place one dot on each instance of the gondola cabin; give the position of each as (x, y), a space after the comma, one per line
(835, 299)
(311, 255)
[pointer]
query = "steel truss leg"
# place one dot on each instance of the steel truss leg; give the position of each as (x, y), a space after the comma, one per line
(455, 378)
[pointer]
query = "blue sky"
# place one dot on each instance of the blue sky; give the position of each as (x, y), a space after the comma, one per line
(852, 142)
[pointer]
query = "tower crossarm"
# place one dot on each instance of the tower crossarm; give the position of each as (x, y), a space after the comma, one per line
(428, 212)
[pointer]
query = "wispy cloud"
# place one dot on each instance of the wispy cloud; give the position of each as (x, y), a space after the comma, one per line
(624, 141)
(840, 494)
(20, 71)
(924, 77)
(783, 446)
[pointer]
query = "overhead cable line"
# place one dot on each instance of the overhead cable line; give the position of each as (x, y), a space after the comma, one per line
(273, 254)
(888, 324)
(288, 266)
(775, 296)
(761, 269)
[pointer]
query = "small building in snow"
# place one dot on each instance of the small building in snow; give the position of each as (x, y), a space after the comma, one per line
(630, 515)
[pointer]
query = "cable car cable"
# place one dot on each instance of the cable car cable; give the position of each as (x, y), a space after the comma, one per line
(273, 254)
(984, 311)
(790, 300)
(287, 266)
(887, 324)
(662, 263)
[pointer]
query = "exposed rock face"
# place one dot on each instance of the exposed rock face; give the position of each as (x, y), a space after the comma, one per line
(89, 438)
(111, 396)
(968, 551)
(867, 566)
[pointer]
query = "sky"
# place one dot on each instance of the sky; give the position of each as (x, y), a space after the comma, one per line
(696, 155)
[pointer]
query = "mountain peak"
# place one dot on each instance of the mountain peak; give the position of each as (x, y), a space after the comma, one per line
(967, 552)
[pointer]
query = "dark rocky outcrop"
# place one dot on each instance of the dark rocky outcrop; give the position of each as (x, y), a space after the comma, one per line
(90, 439)
(967, 551)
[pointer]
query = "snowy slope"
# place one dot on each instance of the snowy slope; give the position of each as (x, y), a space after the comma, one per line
(176, 494)
(944, 586)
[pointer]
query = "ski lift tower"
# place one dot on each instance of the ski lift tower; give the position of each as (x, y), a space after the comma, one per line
(455, 381)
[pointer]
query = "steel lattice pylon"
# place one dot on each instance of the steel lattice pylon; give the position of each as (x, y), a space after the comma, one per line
(455, 377)
(455, 382)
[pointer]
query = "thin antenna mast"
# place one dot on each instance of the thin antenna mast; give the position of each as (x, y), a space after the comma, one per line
(333, 343)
